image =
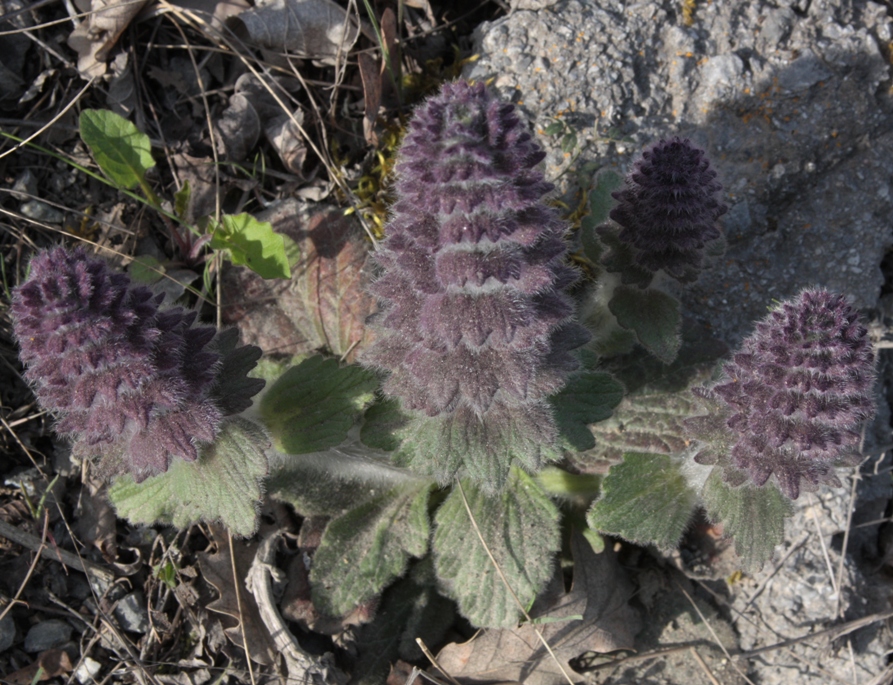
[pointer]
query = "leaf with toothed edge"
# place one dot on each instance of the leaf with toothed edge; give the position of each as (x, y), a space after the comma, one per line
(224, 484)
(646, 500)
(587, 398)
(520, 527)
(653, 316)
(752, 516)
(365, 549)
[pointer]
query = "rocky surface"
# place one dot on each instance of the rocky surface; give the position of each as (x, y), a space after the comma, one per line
(792, 101)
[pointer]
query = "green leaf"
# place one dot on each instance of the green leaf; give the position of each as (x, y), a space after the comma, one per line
(254, 244)
(382, 423)
(314, 404)
(587, 398)
(601, 203)
(554, 128)
(181, 200)
(363, 550)
(653, 316)
(119, 148)
(331, 483)
(223, 484)
(520, 528)
(646, 500)
(146, 270)
(752, 516)
(569, 142)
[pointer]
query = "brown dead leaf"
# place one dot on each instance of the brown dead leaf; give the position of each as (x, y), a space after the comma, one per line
(325, 304)
(599, 594)
(94, 39)
(50, 664)
(370, 73)
(217, 570)
(312, 29)
(215, 12)
(96, 523)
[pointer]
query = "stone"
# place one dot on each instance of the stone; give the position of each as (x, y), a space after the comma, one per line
(47, 635)
(7, 632)
(132, 614)
(87, 671)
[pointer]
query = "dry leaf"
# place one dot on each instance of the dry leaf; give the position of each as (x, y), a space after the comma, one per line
(217, 570)
(53, 662)
(325, 304)
(313, 29)
(599, 594)
(215, 12)
(96, 523)
(94, 39)
(370, 73)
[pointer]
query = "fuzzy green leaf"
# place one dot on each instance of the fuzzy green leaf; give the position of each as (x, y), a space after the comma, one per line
(752, 516)
(645, 500)
(314, 404)
(252, 243)
(382, 423)
(587, 398)
(119, 148)
(520, 527)
(653, 316)
(363, 550)
(332, 482)
(223, 485)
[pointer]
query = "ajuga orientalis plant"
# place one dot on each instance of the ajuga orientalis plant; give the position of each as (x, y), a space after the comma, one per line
(483, 399)
(476, 331)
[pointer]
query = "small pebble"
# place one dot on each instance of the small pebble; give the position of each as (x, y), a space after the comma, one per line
(47, 635)
(7, 632)
(131, 613)
(87, 671)
(40, 211)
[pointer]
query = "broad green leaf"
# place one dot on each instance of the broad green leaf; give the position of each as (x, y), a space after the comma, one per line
(119, 148)
(620, 257)
(554, 128)
(146, 270)
(569, 142)
(752, 516)
(520, 528)
(645, 500)
(314, 404)
(181, 200)
(332, 482)
(560, 483)
(382, 423)
(254, 244)
(653, 316)
(587, 398)
(365, 549)
(223, 484)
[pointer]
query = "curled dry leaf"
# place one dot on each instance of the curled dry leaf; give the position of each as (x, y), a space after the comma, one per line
(599, 594)
(217, 569)
(313, 29)
(253, 110)
(94, 39)
(325, 304)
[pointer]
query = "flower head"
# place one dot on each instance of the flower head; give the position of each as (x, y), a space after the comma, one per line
(795, 395)
(475, 332)
(129, 382)
(668, 210)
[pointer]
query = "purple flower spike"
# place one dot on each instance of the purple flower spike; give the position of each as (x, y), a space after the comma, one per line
(797, 393)
(129, 382)
(475, 331)
(667, 210)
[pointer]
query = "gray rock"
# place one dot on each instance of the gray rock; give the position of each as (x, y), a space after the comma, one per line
(87, 671)
(132, 614)
(46, 635)
(7, 632)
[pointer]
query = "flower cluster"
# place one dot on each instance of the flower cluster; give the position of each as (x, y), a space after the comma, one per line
(132, 384)
(475, 332)
(667, 209)
(794, 396)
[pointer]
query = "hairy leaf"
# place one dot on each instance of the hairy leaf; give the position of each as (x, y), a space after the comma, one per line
(600, 595)
(645, 500)
(752, 516)
(224, 484)
(119, 148)
(382, 423)
(252, 243)
(587, 398)
(332, 482)
(653, 316)
(363, 550)
(520, 528)
(314, 404)
(601, 202)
